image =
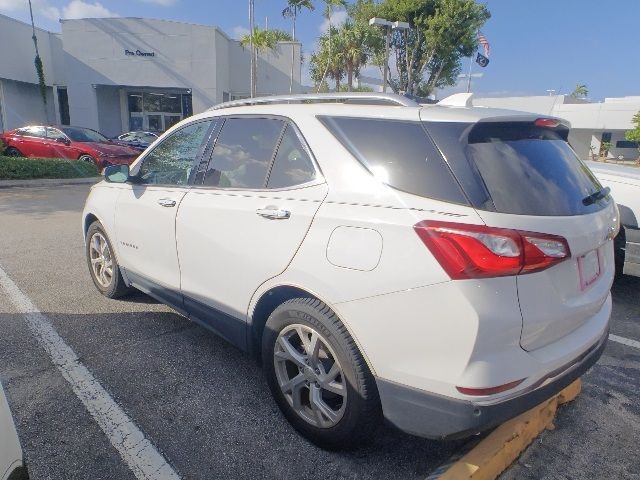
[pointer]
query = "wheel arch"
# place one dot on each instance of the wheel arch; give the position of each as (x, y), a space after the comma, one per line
(268, 300)
(89, 218)
(264, 306)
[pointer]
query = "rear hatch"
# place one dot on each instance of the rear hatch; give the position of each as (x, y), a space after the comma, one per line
(522, 174)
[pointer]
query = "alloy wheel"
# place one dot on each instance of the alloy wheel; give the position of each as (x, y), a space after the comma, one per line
(101, 260)
(310, 376)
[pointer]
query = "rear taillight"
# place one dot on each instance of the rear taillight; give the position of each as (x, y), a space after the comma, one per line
(478, 251)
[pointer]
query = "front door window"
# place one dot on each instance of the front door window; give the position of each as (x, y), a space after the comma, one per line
(171, 161)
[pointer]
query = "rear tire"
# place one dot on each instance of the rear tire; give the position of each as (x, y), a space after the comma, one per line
(13, 152)
(303, 346)
(89, 159)
(103, 265)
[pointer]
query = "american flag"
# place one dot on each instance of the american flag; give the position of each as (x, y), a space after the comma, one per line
(482, 40)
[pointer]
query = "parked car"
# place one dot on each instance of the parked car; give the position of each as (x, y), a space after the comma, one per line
(12, 465)
(446, 267)
(624, 182)
(74, 143)
(139, 140)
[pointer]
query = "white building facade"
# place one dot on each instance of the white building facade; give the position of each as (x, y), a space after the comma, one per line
(121, 74)
(591, 123)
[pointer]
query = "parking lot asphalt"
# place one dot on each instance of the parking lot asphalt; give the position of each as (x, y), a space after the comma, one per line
(205, 405)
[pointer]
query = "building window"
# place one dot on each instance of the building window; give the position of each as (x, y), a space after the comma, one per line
(606, 137)
(627, 144)
(63, 106)
(157, 111)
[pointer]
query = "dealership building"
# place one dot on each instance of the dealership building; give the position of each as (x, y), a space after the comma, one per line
(121, 74)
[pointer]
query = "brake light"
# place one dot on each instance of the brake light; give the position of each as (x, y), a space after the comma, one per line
(478, 251)
(489, 390)
(547, 122)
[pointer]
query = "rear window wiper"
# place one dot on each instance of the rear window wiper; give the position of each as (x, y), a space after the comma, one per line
(594, 197)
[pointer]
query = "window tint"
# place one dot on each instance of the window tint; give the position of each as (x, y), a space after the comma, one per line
(292, 165)
(54, 134)
(78, 134)
(524, 169)
(33, 132)
(243, 153)
(531, 170)
(400, 154)
(170, 162)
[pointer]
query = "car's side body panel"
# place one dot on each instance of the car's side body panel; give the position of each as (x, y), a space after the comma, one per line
(625, 189)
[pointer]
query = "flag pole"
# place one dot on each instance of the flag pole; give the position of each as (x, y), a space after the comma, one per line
(471, 64)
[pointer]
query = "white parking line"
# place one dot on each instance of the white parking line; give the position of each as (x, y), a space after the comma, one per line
(138, 452)
(624, 341)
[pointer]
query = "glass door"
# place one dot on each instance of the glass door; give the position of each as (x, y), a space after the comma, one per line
(157, 111)
(153, 122)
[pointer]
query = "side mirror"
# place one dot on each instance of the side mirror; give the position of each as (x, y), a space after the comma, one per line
(66, 141)
(116, 173)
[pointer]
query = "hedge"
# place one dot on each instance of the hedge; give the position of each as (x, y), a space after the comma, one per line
(18, 168)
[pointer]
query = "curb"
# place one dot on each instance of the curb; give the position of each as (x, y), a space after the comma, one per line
(48, 182)
(493, 455)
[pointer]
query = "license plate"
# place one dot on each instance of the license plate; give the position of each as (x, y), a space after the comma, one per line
(589, 268)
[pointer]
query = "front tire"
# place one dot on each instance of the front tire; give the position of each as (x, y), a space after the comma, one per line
(103, 265)
(318, 377)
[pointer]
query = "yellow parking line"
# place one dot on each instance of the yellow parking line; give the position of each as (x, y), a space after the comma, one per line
(495, 453)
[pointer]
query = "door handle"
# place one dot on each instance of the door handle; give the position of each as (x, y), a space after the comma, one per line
(167, 202)
(274, 213)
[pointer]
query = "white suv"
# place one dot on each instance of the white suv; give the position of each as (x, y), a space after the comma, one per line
(446, 267)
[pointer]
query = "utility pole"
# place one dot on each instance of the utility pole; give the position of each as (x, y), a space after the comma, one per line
(252, 48)
(388, 27)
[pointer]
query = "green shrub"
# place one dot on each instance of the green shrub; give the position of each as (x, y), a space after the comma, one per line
(16, 168)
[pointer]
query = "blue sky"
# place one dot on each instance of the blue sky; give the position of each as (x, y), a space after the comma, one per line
(536, 44)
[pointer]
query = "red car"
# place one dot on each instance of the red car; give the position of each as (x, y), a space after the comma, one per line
(74, 143)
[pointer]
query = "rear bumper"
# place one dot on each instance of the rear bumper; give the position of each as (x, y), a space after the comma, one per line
(435, 416)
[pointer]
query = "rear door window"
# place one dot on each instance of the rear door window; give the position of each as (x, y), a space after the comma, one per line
(400, 154)
(525, 169)
(243, 153)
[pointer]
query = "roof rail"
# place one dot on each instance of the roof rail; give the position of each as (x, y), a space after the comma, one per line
(364, 98)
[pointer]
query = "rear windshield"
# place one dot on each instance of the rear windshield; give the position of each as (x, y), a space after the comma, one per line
(398, 153)
(522, 168)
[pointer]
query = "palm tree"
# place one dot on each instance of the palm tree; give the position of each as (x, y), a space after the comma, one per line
(293, 9)
(356, 41)
(263, 40)
(581, 91)
(329, 60)
(328, 12)
(39, 69)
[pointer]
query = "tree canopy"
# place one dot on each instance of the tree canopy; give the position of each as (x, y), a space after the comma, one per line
(634, 134)
(429, 55)
(581, 91)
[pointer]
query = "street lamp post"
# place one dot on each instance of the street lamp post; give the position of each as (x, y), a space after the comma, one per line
(388, 27)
